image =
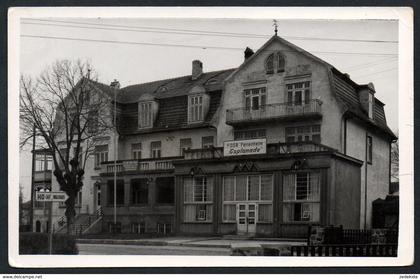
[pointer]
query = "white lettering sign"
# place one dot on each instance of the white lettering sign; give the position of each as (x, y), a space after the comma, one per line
(51, 196)
(245, 147)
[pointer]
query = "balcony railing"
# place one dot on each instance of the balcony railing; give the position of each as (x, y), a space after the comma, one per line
(203, 153)
(145, 165)
(274, 112)
(303, 146)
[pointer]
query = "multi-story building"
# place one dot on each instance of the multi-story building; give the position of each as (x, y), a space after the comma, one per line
(281, 142)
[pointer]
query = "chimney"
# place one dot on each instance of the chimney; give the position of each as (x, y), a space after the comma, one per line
(197, 69)
(248, 53)
(115, 84)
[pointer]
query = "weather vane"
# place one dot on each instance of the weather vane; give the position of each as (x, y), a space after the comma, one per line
(275, 26)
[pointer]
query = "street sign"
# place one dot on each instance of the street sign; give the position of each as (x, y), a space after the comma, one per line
(51, 196)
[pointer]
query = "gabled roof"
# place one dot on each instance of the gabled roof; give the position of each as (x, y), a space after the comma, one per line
(283, 41)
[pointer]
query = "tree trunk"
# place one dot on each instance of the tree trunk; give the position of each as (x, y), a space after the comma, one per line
(70, 213)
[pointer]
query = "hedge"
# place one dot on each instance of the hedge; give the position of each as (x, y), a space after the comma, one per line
(38, 243)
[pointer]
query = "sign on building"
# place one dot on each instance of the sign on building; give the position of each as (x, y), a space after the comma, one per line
(245, 147)
(51, 196)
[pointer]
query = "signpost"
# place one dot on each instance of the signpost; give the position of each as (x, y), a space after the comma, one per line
(245, 147)
(50, 197)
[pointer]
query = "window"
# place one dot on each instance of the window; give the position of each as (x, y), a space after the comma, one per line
(281, 63)
(298, 93)
(255, 188)
(303, 133)
(198, 199)
(164, 228)
(269, 64)
(301, 197)
(138, 228)
(165, 191)
(184, 144)
(155, 149)
(369, 148)
(80, 155)
(136, 151)
(145, 115)
(207, 142)
(255, 99)
(78, 201)
(139, 191)
(195, 108)
(93, 122)
(249, 134)
(43, 162)
(120, 192)
(370, 105)
(101, 154)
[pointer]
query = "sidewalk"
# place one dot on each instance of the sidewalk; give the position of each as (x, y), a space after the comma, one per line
(219, 242)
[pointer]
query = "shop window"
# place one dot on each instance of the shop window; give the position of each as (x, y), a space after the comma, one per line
(301, 197)
(165, 192)
(195, 108)
(145, 115)
(101, 154)
(303, 133)
(299, 93)
(155, 149)
(369, 144)
(255, 98)
(139, 191)
(136, 151)
(249, 134)
(138, 228)
(207, 142)
(253, 188)
(184, 144)
(120, 192)
(198, 199)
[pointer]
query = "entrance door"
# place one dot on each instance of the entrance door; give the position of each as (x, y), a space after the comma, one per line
(246, 218)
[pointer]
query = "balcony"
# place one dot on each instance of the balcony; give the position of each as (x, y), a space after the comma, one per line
(145, 165)
(274, 112)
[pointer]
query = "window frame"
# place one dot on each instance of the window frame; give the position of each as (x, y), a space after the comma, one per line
(101, 155)
(205, 142)
(184, 144)
(292, 202)
(291, 90)
(155, 151)
(136, 150)
(259, 134)
(252, 94)
(296, 134)
(145, 115)
(207, 200)
(196, 108)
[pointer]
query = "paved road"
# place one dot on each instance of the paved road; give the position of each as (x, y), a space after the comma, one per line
(115, 249)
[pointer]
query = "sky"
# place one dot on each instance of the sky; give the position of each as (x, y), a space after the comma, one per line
(142, 50)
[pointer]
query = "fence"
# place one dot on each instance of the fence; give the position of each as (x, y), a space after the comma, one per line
(366, 250)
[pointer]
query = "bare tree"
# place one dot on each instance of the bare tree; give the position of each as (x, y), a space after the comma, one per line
(395, 161)
(68, 109)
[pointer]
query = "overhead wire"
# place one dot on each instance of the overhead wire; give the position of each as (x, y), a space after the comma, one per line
(191, 31)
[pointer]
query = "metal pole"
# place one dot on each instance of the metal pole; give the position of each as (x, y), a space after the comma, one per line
(115, 158)
(32, 182)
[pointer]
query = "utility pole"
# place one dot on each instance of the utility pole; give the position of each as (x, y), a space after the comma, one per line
(115, 158)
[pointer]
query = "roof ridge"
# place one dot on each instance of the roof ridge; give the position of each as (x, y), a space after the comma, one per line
(174, 78)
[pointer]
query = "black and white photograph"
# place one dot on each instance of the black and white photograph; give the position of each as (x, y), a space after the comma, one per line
(221, 138)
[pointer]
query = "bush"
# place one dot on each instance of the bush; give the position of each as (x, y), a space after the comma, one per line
(38, 243)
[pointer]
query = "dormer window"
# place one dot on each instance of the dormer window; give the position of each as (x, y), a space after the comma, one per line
(195, 105)
(145, 115)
